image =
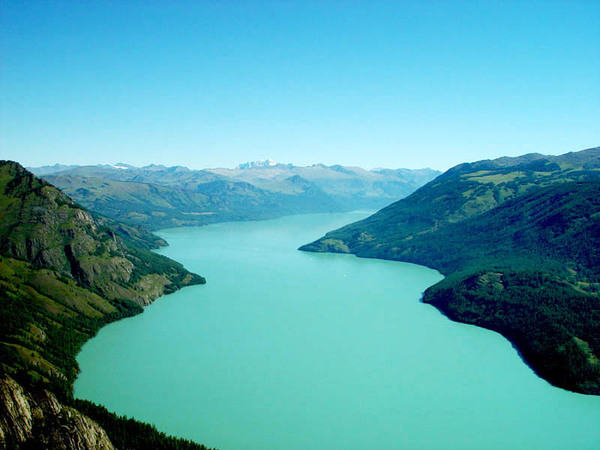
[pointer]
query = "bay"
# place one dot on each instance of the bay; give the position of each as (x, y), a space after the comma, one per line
(287, 350)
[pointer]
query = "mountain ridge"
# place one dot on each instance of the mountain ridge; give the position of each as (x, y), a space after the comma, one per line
(157, 197)
(65, 273)
(516, 239)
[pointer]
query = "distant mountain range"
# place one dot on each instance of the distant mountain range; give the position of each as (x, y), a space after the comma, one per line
(519, 242)
(517, 238)
(157, 197)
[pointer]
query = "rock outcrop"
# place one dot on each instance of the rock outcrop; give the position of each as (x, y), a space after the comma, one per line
(65, 273)
(37, 419)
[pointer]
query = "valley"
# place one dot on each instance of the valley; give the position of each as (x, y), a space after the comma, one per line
(162, 197)
(516, 239)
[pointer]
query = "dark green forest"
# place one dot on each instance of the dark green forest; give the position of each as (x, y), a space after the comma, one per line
(519, 242)
(554, 325)
(127, 433)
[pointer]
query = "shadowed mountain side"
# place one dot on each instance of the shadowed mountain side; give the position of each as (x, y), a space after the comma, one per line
(518, 239)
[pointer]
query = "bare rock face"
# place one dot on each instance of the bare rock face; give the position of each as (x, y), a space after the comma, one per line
(39, 420)
(16, 416)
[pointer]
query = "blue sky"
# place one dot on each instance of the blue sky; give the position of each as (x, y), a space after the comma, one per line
(374, 84)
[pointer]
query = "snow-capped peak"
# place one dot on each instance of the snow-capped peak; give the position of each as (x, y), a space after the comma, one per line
(260, 163)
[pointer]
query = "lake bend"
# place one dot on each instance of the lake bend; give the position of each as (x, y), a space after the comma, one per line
(283, 349)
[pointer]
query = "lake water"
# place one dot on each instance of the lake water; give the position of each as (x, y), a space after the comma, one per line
(290, 350)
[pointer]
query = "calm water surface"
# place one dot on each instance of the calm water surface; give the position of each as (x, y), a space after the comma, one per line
(290, 350)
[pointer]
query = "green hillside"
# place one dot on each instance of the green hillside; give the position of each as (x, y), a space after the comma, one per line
(518, 240)
(156, 207)
(63, 275)
(161, 197)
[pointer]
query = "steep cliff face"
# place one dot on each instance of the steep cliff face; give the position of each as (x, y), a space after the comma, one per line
(36, 419)
(43, 226)
(64, 273)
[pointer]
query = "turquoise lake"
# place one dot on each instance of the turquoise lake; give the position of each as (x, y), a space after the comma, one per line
(283, 349)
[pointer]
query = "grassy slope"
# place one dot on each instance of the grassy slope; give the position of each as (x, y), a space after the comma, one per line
(134, 202)
(156, 207)
(162, 197)
(518, 239)
(63, 275)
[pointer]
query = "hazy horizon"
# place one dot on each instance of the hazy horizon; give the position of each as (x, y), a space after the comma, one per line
(119, 163)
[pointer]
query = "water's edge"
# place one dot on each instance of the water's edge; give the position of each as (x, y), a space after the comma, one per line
(234, 353)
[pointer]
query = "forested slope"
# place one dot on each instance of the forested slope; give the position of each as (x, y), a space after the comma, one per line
(63, 274)
(161, 197)
(518, 239)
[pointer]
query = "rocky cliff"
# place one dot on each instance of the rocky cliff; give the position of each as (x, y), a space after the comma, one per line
(36, 419)
(64, 273)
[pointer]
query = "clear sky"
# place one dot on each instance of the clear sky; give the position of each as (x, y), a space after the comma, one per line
(375, 84)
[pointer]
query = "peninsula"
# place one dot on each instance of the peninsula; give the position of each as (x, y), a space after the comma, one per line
(518, 240)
